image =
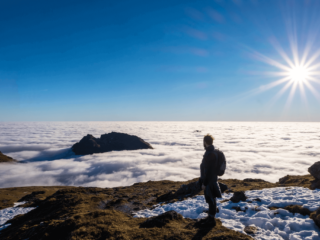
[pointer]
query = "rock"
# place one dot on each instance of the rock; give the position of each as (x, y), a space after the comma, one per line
(296, 180)
(223, 187)
(298, 209)
(161, 220)
(192, 189)
(185, 190)
(315, 216)
(109, 142)
(253, 180)
(250, 229)
(238, 196)
(4, 158)
(31, 197)
(314, 170)
(284, 179)
(238, 209)
(315, 184)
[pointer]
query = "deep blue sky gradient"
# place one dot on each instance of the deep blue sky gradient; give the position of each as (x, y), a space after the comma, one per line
(150, 60)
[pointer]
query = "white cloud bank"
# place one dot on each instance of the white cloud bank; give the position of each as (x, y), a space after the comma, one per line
(253, 150)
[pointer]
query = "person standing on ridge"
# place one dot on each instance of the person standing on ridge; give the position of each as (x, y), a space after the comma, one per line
(209, 178)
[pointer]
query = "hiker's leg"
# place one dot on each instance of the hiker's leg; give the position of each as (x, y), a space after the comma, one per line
(212, 207)
(211, 200)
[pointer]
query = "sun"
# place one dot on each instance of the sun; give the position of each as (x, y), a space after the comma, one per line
(293, 73)
(299, 74)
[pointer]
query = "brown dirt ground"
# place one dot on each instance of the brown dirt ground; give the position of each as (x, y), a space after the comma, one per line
(105, 213)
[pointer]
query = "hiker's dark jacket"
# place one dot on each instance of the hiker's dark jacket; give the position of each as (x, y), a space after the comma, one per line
(209, 177)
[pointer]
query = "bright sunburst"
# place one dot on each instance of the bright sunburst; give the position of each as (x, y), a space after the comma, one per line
(299, 74)
(293, 72)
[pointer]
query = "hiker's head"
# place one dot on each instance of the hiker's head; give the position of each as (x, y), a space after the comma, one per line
(207, 140)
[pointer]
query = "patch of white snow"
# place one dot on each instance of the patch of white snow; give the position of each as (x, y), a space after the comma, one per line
(272, 224)
(9, 213)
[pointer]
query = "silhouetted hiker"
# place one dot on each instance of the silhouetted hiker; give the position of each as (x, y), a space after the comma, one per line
(213, 165)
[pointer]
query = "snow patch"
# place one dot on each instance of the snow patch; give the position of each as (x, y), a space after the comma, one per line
(9, 213)
(272, 224)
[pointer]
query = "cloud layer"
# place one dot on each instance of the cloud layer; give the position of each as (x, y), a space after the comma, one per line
(253, 150)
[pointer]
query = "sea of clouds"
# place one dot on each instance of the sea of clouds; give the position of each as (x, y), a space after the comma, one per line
(266, 150)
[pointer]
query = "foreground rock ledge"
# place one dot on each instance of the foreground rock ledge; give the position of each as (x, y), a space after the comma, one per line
(109, 142)
(105, 213)
(4, 158)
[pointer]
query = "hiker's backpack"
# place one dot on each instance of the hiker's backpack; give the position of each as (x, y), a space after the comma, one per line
(221, 162)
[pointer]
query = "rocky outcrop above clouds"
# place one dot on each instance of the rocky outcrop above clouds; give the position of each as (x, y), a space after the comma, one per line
(314, 170)
(109, 142)
(4, 158)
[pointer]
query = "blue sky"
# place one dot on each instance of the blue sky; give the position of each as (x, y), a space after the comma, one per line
(154, 60)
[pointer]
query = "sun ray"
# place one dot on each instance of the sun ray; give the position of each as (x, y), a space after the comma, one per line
(313, 67)
(312, 90)
(282, 53)
(304, 99)
(280, 93)
(294, 50)
(270, 61)
(297, 71)
(275, 74)
(303, 94)
(314, 79)
(314, 57)
(291, 94)
(259, 90)
(306, 52)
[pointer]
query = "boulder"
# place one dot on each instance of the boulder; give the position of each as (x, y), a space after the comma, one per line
(109, 142)
(31, 197)
(315, 184)
(4, 158)
(298, 209)
(314, 170)
(186, 190)
(161, 220)
(238, 196)
(250, 229)
(191, 189)
(315, 216)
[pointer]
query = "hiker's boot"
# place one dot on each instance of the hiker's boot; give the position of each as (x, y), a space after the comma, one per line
(212, 222)
(209, 222)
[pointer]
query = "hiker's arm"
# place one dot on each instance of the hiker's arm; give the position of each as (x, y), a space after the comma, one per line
(206, 169)
(201, 175)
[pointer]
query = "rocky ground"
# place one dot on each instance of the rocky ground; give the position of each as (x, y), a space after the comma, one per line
(106, 213)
